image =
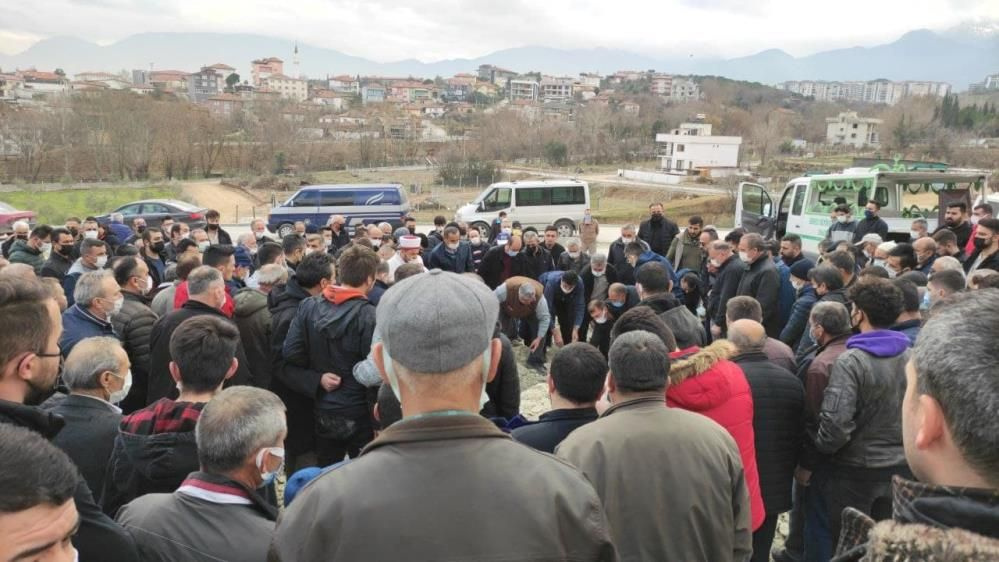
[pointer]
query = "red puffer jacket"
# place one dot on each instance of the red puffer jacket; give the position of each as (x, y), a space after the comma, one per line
(703, 380)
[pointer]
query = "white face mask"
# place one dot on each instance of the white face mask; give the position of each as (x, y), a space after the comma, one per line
(268, 477)
(974, 219)
(452, 247)
(627, 241)
(376, 243)
(715, 263)
(101, 262)
(744, 256)
(475, 241)
(92, 234)
(914, 234)
(602, 319)
(797, 285)
(574, 255)
(119, 395)
(598, 273)
(203, 245)
(46, 247)
(842, 219)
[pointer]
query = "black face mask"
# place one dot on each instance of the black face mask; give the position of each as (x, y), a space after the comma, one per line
(75, 232)
(21, 236)
(61, 250)
(412, 230)
(656, 217)
(140, 229)
(211, 226)
(982, 243)
(158, 247)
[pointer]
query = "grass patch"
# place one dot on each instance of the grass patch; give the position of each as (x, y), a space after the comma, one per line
(52, 207)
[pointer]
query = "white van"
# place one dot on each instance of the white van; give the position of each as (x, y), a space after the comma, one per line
(532, 203)
(805, 207)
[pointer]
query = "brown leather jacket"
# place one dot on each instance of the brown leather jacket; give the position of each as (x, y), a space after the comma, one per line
(513, 307)
(446, 487)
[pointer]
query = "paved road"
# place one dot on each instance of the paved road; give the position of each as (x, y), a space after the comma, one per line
(614, 179)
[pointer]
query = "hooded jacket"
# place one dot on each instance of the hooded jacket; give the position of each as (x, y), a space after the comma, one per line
(650, 256)
(927, 521)
(296, 386)
(703, 380)
(254, 322)
(860, 423)
(331, 333)
(154, 451)
(21, 252)
(687, 330)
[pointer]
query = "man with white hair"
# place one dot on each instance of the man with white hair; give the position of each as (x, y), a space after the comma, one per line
(219, 513)
(437, 354)
(945, 263)
(259, 229)
(616, 255)
(253, 319)
(573, 258)
(119, 228)
(98, 375)
(97, 298)
(409, 252)
(867, 248)
(248, 241)
(341, 238)
(20, 231)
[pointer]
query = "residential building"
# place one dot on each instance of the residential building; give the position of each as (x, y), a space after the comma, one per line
(990, 84)
(112, 81)
(204, 84)
(630, 107)
(345, 84)
(459, 88)
(373, 93)
(9, 84)
(34, 83)
(223, 69)
(141, 89)
(523, 89)
(692, 147)
(872, 91)
(286, 86)
(589, 79)
(338, 101)
(495, 74)
(169, 80)
(849, 129)
(263, 68)
(661, 85)
(554, 89)
(622, 76)
(225, 105)
(684, 90)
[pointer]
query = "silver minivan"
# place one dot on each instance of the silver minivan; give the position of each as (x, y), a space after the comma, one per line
(532, 203)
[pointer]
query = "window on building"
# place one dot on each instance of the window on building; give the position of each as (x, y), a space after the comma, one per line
(854, 125)
(679, 148)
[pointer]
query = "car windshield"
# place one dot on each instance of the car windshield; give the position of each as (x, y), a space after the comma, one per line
(6, 208)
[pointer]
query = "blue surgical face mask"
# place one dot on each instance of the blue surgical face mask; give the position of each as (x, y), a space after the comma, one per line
(268, 477)
(616, 304)
(869, 214)
(925, 304)
(512, 253)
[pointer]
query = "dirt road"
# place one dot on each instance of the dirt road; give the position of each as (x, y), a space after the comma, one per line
(235, 205)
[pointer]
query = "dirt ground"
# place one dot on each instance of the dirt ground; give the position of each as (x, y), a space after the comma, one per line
(234, 205)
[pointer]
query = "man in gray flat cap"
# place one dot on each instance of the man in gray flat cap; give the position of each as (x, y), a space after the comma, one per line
(435, 481)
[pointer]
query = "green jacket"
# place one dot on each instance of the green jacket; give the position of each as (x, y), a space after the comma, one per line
(20, 252)
(685, 253)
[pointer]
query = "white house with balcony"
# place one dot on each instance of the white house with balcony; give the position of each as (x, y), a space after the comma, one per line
(848, 128)
(691, 147)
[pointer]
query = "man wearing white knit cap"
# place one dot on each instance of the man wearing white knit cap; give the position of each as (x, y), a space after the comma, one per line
(409, 252)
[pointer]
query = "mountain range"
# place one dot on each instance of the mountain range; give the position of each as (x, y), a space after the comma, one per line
(957, 56)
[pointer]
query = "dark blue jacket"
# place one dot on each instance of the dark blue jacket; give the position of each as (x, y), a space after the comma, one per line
(552, 427)
(553, 286)
(798, 322)
(458, 262)
(787, 294)
(77, 325)
(122, 231)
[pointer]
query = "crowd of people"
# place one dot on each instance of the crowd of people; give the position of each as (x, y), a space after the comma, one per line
(170, 393)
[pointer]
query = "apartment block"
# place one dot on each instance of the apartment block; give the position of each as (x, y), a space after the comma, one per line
(872, 91)
(852, 130)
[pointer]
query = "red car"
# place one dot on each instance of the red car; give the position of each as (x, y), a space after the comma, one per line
(9, 215)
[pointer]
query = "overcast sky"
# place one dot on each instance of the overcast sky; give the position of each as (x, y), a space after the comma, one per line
(429, 30)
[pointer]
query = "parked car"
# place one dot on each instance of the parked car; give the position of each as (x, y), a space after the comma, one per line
(155, 210)
(9, 215)
(359, 204)
(532, 203)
